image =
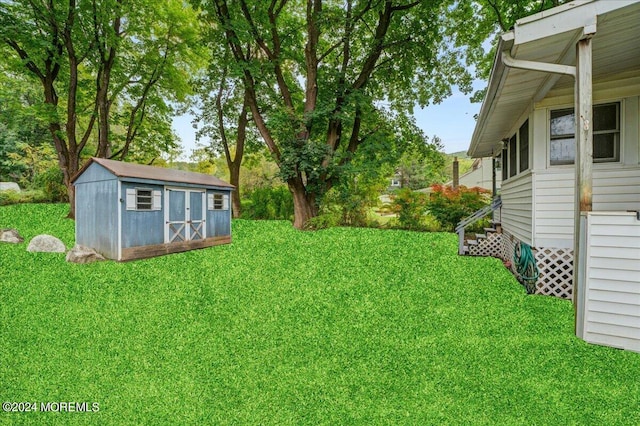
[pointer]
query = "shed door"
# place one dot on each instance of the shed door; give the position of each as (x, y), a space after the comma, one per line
(177, 216)
(196, 215)
(184, 215)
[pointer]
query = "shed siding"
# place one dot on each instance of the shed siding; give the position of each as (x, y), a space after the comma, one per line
(219, 221)
(516, 217)
(612, 291)
(95, 173)
(97, 216)
(142, 228)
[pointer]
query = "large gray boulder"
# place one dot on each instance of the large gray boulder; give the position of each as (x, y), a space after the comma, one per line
(10, 236)
(46, 243)
(9, 186)
(82, 254)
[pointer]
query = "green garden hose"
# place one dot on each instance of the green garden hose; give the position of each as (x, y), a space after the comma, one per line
(526, 266)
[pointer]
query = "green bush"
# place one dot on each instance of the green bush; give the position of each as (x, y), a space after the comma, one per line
(272, 203)
(29, 196)
(410, 207)
(51, 183)
(323, 221)
(450, 205)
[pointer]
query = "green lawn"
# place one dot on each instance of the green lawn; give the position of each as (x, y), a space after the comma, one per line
(341, 326)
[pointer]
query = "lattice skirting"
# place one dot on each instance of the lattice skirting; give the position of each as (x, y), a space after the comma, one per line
(490, 246)
(555, 266)
(556, 272)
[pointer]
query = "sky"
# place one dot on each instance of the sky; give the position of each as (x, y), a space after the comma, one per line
(452, 121)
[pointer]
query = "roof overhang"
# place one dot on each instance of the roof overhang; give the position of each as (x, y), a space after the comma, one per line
(550, 37)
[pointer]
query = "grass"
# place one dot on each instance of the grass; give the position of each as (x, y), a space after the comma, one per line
(341, 326)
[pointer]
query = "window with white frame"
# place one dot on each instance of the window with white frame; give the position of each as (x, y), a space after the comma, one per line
(143, 199)
(606, 134)
(218, 201)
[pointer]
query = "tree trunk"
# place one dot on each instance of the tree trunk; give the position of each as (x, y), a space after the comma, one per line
(234, 177)
(304, 204)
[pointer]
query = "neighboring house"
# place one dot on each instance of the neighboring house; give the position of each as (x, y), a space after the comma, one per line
(130, 211)
(583, 55)
(395, 182)
(480, 175)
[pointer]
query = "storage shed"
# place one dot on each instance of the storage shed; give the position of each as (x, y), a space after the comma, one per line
(131, 211)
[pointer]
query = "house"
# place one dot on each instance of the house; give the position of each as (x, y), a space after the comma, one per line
(480, 175)
(571, 182)
(130, 211)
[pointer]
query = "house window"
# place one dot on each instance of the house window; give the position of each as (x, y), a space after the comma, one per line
(524, 146)
(513, 156)
(218, 201)
(505, 165)
(606, 135)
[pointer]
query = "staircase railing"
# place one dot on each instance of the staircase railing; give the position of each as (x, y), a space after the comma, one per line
(496, 203)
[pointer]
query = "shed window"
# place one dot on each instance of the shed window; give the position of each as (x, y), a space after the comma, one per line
(143, 199)
(606, 134)
(218, 201)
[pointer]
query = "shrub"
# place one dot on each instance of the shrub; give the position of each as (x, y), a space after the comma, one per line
(51, 183)
(272, 203)
(29, 196)
(323, 221)
(410, 207)
(449, 206)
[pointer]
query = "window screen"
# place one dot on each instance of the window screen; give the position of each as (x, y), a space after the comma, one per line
(606, 134)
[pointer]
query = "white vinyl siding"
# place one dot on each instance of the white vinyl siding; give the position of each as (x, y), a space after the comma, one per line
(612, 293)
(613, 190)
(516, 213)
(554, 203)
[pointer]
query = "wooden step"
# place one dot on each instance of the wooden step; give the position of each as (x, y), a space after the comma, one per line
(481, 237)
(489, 230)
(472, 243)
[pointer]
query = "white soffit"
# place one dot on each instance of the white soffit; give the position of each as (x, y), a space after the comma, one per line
(511, 92)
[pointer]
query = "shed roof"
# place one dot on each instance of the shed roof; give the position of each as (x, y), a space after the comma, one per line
(140, 171)
(550, 37)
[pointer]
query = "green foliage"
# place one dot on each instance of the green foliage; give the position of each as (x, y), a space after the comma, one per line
(28, 196)
(410, 207)
(422, 165)
(273, 203)
(52, 185)
(345, 325)
(450, 205)
(350, 202)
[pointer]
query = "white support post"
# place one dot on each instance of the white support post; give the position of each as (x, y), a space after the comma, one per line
(584, 177)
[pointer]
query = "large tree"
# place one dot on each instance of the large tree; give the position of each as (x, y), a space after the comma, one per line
(324, 73)
(90, 55)
(223, 114)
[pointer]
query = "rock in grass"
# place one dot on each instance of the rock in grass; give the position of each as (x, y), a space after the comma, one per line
(10, 236)
(46, 243)
(82, 254)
